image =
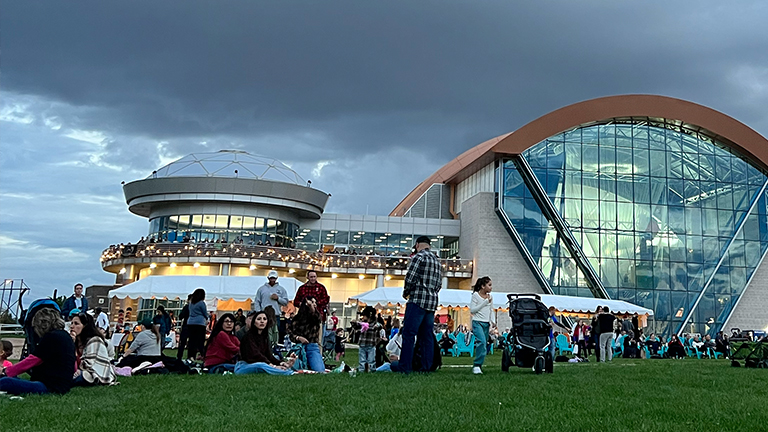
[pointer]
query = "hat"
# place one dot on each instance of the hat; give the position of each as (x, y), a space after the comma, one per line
(272, 274)
(146, 323)
(423, 239)
(74, 312)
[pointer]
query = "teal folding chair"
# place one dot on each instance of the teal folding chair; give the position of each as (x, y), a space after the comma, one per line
(713, 354)
(562, 345)
(463, 347)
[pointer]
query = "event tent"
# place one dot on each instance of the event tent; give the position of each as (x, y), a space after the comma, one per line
(229, 291)
(385, 296)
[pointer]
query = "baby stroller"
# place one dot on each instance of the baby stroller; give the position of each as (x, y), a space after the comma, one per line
(30, 338)
(528, 339)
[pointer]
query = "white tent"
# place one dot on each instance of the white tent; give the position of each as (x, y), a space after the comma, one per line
(384, 296)
(238, 288)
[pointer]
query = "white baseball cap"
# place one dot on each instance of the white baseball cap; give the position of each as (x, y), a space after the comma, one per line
(272, 274)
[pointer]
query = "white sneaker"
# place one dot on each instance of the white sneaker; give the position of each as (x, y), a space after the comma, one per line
(477, 371)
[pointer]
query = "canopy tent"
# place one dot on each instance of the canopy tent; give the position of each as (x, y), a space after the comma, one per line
(388, 297)
(231, 292)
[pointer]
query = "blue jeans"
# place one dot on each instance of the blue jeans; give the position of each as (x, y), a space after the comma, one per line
(366, 356)
(314, 357)
(386, 367)
(480, 330)
(419, 321)
(221, 368)
(243, 368)
(16, 386)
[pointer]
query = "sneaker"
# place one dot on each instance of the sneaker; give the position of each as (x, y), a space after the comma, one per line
(477, 371)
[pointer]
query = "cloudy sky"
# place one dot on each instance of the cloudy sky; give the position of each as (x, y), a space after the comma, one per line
(366, 99)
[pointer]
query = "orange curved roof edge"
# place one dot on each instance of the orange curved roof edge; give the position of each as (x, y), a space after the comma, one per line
(723, 128)
(447, 172)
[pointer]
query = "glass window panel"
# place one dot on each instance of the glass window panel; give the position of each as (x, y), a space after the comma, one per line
(260, 224)
(642, 189)
(709, 222)
(752, 253)
(725, 221)
(589, 158)
(513, 183)
(641, 159)
(197, 221)
(607, 214)
(573, 156)
(658, 163)
(209, 221)
(236, 222)
(222, 221)
(607, 159)
(248, 222)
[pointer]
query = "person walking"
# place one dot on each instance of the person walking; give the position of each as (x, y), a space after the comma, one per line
(422, 283)
(196, 323)
(481, 308)
(605, 321)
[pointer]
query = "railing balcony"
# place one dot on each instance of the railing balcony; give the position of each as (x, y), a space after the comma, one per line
(188, 252)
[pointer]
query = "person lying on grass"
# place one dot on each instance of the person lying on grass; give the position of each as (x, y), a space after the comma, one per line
(93, 354)
(256, 354)
(50, 368)
(223, 346)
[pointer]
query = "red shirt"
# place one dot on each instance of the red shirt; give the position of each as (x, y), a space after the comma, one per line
(316, 290)
(222, 349)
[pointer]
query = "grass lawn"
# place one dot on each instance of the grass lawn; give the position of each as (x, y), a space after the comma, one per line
(634, 395)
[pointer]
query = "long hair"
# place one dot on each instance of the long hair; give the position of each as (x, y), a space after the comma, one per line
(271, 316)
(89, 330)
(45, 320)
(198, 295)
(254, 333)
(218, 328)
(481, 282)
(306, 318)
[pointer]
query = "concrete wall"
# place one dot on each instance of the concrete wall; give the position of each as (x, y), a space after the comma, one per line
(752, 311)
(485, 240)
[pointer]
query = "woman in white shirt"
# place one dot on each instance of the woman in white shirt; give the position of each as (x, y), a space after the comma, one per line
(481, 309)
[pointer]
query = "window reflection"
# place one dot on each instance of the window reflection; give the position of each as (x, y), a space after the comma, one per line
(654, 207)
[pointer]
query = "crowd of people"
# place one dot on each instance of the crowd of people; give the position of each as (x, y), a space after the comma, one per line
(72, 347)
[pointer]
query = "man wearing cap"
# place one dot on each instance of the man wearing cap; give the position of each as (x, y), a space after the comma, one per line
(422, 283)
(271, 294)
(76, 301)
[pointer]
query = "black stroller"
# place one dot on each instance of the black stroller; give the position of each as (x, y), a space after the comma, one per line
(30, 338)
(528, 339)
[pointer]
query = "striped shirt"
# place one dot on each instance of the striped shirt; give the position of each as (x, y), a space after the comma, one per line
(423, 280)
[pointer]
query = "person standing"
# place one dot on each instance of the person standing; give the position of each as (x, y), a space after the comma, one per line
(75, 301)
(317, 291)
(183, 316)
(422, 283)
(605, 321)
(196, 324)
(271, 294)
(595, 332)
(481, 308)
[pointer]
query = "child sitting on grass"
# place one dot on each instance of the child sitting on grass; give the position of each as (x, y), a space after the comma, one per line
(6, 353)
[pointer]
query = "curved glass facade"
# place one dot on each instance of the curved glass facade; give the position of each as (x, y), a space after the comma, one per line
(213, 227)
(667, 218)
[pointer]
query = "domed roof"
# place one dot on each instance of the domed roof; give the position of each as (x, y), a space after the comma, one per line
(229, 163)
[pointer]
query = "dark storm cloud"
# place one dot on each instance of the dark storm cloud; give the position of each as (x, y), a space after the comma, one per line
(364, 98)
(364, 74)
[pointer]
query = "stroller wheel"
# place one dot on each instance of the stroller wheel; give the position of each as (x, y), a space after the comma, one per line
(538, 365)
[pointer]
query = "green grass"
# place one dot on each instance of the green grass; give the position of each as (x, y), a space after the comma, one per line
(633, 395)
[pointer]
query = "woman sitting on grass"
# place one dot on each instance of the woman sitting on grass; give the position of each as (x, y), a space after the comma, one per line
(146, 347)
(50, 368)
(223, 346)
(256, 354)
(93, 357)
(305, 329)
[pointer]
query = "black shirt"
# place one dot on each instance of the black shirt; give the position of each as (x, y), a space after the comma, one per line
(606, 322)
(57, 351)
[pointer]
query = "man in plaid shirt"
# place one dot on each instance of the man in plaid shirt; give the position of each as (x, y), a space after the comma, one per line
(422, 283)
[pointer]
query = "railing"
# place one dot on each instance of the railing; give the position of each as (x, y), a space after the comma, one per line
(315, 259)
